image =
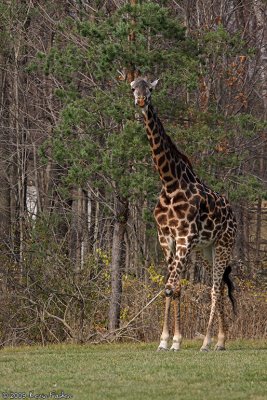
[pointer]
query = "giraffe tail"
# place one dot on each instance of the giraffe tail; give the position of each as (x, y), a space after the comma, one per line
(227, 280)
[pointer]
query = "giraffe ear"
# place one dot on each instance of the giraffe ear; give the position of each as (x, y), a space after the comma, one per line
(153, 84)
(132, 84)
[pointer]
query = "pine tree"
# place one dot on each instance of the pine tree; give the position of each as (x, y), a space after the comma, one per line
(98, 139)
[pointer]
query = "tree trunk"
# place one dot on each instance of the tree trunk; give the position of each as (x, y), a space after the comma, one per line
(240, 240)
(260, 9)
(78, 229)
(121, 209)
(258, 232)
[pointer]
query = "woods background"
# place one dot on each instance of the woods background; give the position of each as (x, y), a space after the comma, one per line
(79, 251)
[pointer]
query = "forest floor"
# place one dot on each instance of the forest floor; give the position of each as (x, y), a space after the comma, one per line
(135, 371)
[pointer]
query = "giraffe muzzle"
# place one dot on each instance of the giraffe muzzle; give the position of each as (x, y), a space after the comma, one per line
(141, 102)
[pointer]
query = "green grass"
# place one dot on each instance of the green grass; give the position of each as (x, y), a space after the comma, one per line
(137, 371)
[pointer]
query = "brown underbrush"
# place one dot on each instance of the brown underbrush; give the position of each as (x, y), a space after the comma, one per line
(55, 304)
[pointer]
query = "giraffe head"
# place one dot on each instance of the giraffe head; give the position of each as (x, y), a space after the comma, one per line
(142, 91)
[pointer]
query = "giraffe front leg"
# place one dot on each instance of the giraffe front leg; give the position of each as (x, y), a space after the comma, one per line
(177, 337)
(167, 245)
(165, 332)
(173, 288)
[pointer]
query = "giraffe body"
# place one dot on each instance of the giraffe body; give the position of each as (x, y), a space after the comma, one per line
(189, 216)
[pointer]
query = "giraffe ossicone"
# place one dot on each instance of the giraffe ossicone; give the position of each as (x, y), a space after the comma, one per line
(189, 216)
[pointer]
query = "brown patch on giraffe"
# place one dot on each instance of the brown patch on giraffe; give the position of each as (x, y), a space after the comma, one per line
(183, 206)
(171, 187)
(180, 210)
(182, 251)
(191, 176)
(224, 225)
(203, 218)
(217, 215)
(206, 235)
(217, 229)
(174, 169)
(150, 114)
(183, 228)
(151, 125)
(171, 213)
(160, 208)
(167, 152)
(158, 150)
(188, 193)
(173, 232)
(162, 219)
(161, 160)
(165, 230)
(162, 240)
(191, 213)
(193, 228)
(149, 131)
(203, 207)
(209, 225)
(220, 202)
(179, 197)
(184, 225)
(193, 189)
(183, 184)
(166, 169)
(224, 211)
(168, 178)
(195, 201)
(173, 223)
(230, 224)
(185, 178)
(181, 241)
(211, 203)
(157, 140)
(180, 214)
(165, 199)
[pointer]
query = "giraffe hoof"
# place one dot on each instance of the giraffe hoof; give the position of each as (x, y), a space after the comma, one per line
(174, 349)
(204, 349)
(219, 348)
(175, 346)
(162, 348)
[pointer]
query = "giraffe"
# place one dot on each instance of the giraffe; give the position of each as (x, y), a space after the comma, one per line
(189, 216)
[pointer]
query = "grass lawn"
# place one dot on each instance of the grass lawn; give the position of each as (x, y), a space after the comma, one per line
(135, 371)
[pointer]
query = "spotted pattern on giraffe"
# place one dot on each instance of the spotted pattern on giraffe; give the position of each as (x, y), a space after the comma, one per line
(189, 215)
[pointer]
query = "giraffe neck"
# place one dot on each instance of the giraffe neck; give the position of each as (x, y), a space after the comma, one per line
(174, 168)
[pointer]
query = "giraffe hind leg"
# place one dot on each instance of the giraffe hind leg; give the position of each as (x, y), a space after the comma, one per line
(214, 298)
(222, 326)
(221, 260)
